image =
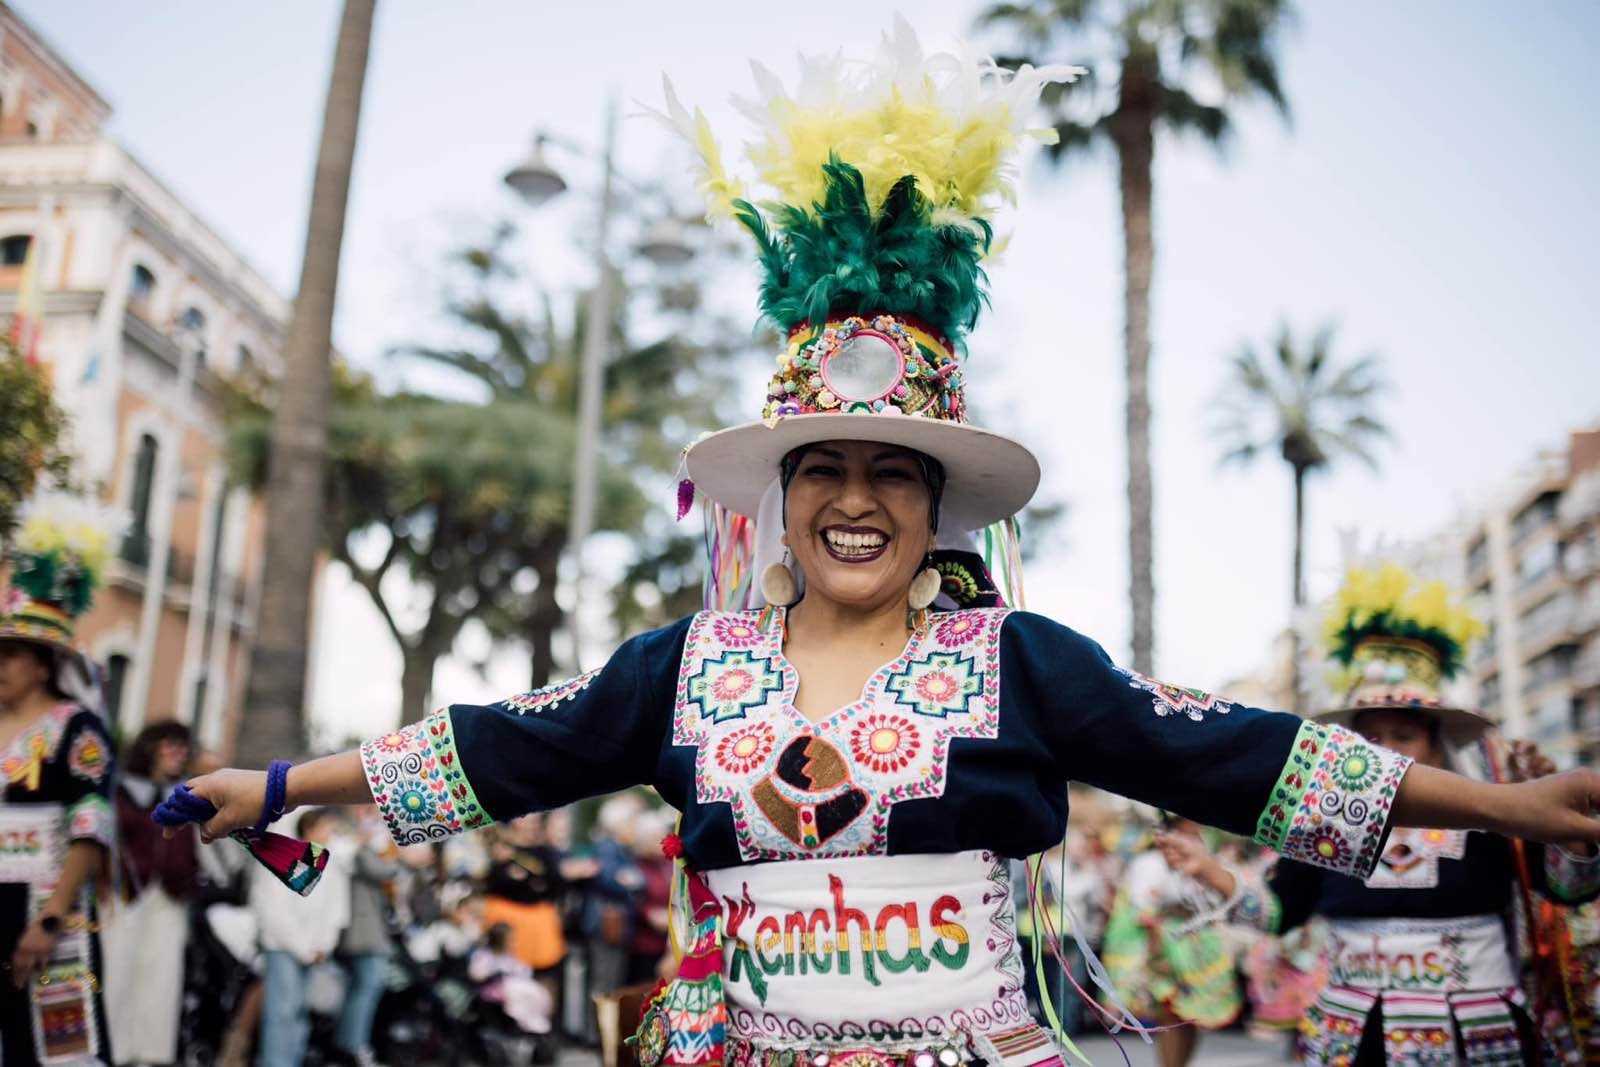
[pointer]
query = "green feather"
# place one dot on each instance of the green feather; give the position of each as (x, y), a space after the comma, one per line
(840, 257)
(1384, 624)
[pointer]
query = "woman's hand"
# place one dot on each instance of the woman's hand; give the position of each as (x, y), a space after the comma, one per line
(1527, 763)
(1558, 809)
(32, 953)
(237, 795)
(1184, 853)
(1187, 855)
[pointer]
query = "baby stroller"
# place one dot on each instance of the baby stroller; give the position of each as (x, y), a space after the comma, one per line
(215, 978)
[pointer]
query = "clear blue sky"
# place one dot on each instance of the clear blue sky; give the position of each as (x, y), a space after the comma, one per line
(1433, 194)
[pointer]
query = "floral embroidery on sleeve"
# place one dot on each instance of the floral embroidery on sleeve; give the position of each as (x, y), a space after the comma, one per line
(91, 819)
(86, 758)
(551, 695)
(417, 782)
(1570, 877)
(1332, 800)
(1168, 699)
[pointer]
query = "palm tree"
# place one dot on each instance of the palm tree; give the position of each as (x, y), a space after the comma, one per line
(1144, 56)
(1308, 409)
(274, 718)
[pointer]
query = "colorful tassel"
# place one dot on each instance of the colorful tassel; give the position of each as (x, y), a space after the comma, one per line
(297, 864)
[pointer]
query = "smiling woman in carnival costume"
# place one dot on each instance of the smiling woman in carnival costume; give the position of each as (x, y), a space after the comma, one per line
(856, 755)
(1421, 968)
(56, 820)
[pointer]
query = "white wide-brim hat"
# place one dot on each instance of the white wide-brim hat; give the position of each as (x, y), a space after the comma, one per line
(988, 476)
(1459, 726)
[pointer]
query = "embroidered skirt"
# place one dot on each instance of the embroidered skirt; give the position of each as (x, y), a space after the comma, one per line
(1445, 991)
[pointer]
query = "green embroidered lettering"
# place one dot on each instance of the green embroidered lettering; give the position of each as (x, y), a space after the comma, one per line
(842, 917)
(906, 913)
(821, 948)
(939, 918)
(769, 937)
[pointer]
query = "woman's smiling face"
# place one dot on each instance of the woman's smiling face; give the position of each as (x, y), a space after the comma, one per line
(859, 521)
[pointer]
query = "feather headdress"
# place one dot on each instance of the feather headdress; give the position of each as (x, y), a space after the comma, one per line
(878, 180)
(57, 562)
(1390, 602)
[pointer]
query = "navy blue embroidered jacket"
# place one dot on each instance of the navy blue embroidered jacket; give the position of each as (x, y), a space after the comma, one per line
(967, 740)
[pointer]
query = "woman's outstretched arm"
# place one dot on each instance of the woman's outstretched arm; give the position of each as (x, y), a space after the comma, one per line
(239, 795)
(1558, 809)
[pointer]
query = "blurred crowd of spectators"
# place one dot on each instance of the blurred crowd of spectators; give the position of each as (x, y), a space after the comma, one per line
(485, 948)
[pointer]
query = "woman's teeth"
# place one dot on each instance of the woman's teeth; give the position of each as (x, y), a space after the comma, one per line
(854, 544)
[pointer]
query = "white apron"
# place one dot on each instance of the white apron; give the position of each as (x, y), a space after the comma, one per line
(875, 961)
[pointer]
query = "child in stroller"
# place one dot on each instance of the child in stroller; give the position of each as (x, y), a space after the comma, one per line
(506, 986)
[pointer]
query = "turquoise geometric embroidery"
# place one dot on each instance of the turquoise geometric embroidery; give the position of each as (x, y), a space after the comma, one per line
(731, 683)
(942, 683)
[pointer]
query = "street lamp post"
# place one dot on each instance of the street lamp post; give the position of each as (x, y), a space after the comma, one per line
(591, 383)
(536, 181)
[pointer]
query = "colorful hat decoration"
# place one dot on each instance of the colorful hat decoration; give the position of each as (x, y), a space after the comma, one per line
(57, 561)
(1396, 640)
(884, 179)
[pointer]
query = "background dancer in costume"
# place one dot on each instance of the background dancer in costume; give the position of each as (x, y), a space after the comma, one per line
(1170, 975)
(1421, 970)
(56, 819)
(146, 931)
(843, 744)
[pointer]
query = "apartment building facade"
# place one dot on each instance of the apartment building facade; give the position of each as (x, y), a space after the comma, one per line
(1533, 560)
(143, 310)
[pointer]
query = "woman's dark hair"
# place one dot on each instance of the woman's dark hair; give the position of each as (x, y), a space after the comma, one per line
(140, 758)
(499, 937)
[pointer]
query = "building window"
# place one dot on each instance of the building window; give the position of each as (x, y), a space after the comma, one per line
(136, 545)
(141, 288)
(116, 675)
(193, 323)
(1478, 556)
(14, 250)
(244, 362)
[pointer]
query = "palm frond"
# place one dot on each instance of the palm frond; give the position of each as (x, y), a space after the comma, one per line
(1181, 112)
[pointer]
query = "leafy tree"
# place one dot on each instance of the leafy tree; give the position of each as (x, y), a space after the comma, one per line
(463, 499)
(657, 395)
(1147, 58)
(470, 500)
(32, 429)
(1308, 408)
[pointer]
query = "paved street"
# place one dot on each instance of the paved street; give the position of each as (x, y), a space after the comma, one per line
(1231, 1049)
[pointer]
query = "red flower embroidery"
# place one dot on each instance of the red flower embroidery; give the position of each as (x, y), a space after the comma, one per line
(732, 684)
(742, 751)
(736, 632)
(885, 743)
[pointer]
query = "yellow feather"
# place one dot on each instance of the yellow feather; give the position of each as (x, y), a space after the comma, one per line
(949, 120)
